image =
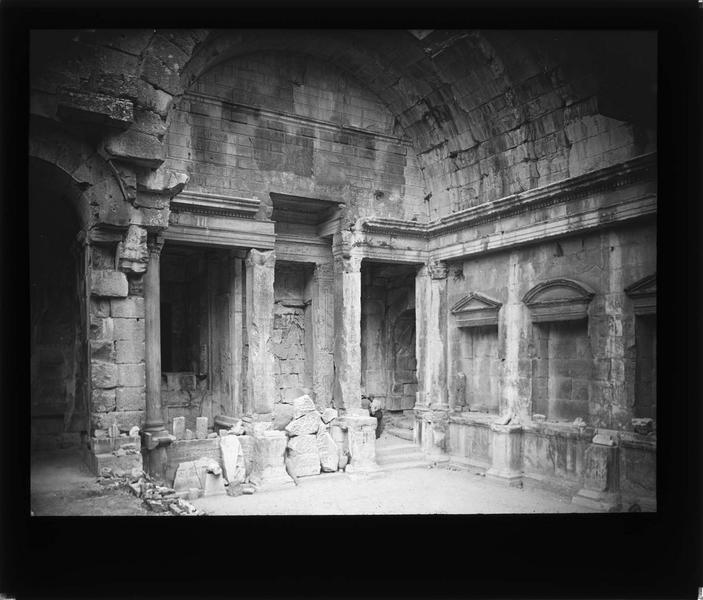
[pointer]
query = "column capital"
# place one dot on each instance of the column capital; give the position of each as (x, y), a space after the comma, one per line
(347, 264)
(155, 244)
(437, 269)
(324, 270)
(261, 258)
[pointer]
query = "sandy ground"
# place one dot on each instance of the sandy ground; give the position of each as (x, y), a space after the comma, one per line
(61, 485)
(409, 491)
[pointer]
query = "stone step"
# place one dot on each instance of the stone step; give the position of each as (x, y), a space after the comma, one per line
(408, 464)
(401, 457)
(406, 434)
(400, 449)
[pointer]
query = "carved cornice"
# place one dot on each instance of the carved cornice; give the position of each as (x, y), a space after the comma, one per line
(558, 300)
(642, 168)
(202, 203)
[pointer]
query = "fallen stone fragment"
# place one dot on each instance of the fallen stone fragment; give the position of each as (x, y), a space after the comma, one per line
(155, 505)
(189, 434)
(179, 427)
(134, 431)
(231, 450)
(504, 420)
(100, 433)
(303, 455)
(235, 489)
(136, 490)
(329, 414)
(327, 449)
(119, 472)
(211, 436)
(305, 425)
(302, 406)
(191, 474)
(248, 489)
(175, 509)
(200, 428)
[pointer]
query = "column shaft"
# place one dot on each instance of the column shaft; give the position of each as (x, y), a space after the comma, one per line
(323, 333)
(152, 328)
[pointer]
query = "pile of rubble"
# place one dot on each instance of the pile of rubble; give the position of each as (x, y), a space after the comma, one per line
(310, 449)
(156, 498)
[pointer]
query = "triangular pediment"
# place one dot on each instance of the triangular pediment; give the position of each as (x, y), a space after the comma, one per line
(643, 287)
(475, 301)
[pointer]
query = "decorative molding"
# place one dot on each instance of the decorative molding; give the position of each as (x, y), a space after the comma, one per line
(558, 300)
(644, 295)
(638, 169)
(476, 310)
(202, 203)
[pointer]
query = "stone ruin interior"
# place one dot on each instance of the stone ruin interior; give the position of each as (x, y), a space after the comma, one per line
(250, 252)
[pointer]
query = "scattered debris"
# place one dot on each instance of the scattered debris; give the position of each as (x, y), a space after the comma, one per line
(134, 432)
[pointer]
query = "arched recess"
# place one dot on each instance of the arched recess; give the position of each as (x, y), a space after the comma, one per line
(59, 346)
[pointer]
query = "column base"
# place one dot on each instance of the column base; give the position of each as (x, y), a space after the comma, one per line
(269, 470)
(508, 478)
(605, 501)
(361, 441)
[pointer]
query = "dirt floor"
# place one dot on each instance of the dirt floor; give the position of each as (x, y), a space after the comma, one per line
(61, 485)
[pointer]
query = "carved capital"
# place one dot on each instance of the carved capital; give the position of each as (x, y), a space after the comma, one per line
(261, 258)
(132, 252)
(155, 244)
(324, 270)
(347, 264)
(437, 269)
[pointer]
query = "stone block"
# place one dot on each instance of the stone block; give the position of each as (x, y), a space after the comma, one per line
(100, 307)
(200, 428)
(135, 146)
(132, 308)
(329, 414)
(111, 284)
(192, 474)
(328, 451)
(131, 398)
(128, 329)
(102, 400)
(305, 425)
(101, 328)
(129, 351)
(282, 416)
(232, 459)
(302, 406)
(268, 465)
(131, 375)
(103, 374)
(179, 427)
(304, 455)
(97, 462)
(189, 434)
(102, 350)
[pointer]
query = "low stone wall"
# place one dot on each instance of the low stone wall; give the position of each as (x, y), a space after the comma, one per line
(557, 455)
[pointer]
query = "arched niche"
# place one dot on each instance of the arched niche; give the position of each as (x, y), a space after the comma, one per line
(476, 310)
(558, 300)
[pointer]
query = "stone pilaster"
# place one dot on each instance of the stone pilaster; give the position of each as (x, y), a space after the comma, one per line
(323, 333)
(347, 332)
(432, 401)
(259, 315)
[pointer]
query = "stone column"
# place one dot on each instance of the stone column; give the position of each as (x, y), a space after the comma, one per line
(259, 310)
(347, 331)
(323, 333)
(432, 406)
(359, 425)
(154, 423)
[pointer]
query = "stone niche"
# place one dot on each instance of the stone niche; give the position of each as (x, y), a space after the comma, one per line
(478, 381)
(562, 366)
(291, 343)
(643, 294)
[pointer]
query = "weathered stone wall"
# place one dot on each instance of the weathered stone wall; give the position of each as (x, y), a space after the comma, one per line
(594, 359)
(276, 122)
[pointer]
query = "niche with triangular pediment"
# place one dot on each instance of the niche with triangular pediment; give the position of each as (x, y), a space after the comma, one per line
(476, 310)
(558, 300)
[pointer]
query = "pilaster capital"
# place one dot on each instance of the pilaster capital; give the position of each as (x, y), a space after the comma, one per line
(155, 244)
(324, 270)
(261, 258)
(437, 269)
(347, 264)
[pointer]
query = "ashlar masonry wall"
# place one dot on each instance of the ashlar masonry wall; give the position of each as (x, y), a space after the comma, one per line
(291, 124)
